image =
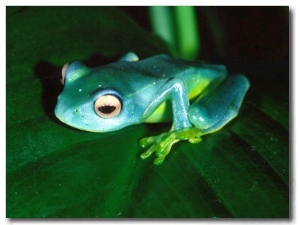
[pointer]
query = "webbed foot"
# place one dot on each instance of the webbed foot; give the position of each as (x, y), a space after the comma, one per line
(162, 144)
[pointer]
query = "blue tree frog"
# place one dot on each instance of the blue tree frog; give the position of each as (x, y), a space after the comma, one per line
(199, 98)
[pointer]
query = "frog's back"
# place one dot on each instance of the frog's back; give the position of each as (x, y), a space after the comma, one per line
(159, 69)
(196, 75)
(164, 66)
(177, 67)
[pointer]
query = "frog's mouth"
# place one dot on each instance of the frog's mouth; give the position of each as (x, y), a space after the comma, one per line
(69, 121)
(75, 119)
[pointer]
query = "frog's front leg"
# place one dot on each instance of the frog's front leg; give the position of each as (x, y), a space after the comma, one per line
(175, 91)
(208, 114)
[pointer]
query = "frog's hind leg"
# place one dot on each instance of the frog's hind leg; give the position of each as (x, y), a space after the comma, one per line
(211, 112)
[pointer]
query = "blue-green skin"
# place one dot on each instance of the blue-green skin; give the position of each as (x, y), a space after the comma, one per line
(200, 98)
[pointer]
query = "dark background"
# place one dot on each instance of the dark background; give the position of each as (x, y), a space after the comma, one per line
(249, 33)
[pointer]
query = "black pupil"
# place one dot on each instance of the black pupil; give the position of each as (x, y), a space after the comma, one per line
(107, 109)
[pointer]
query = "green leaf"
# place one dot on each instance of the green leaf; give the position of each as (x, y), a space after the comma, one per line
(55, 171)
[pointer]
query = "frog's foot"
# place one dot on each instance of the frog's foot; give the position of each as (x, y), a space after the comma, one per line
(162, 144)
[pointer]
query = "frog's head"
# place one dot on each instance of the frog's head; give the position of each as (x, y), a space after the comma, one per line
(88, 104)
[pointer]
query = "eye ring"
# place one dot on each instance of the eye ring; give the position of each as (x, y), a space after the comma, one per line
(108, 106)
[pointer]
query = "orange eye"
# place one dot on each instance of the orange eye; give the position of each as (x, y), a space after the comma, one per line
(63, 73)
(108, 106)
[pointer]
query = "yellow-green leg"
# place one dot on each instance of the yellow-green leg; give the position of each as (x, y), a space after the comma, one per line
(162, 144)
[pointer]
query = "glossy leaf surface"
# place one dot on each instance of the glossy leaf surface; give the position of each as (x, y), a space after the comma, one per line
(55, 171)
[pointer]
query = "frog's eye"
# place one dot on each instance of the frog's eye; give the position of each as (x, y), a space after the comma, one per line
(108, 106)
(63, 73)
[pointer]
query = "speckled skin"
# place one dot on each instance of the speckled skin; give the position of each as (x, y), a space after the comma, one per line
(200, 98)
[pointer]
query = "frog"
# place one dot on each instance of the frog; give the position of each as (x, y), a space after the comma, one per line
(197, 98)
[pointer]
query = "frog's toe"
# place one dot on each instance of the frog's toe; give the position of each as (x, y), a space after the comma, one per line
(160, 150)
(195, 139)
(146, 154)
(161, 145)
(159, 160)
(192, 134)
(157, 143)
(147, 141)
(163, 152)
